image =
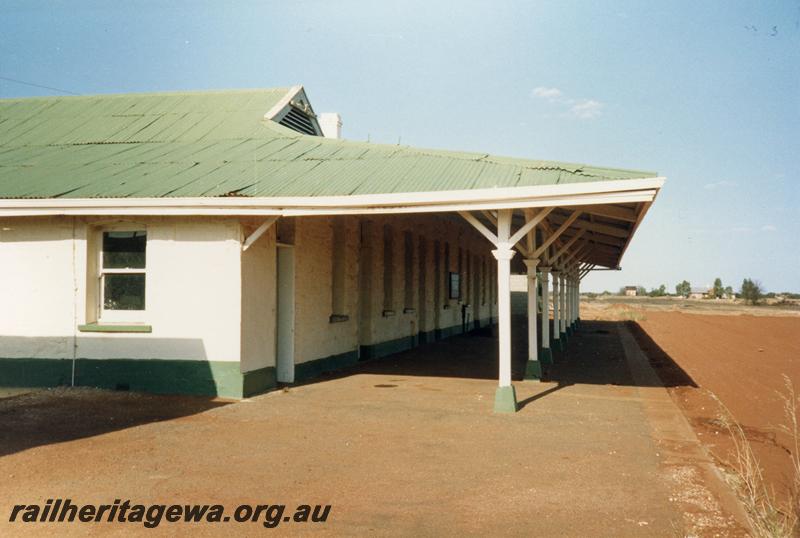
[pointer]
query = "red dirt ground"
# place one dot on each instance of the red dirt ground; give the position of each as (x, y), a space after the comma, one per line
(740, 359)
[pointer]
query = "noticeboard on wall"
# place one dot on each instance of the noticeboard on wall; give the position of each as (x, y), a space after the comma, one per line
(455, 285)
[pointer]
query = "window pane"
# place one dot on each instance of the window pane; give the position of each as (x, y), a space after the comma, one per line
(123, 292)
(124, 250)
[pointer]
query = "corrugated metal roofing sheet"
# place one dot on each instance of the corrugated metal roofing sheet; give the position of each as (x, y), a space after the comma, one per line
(218, 143)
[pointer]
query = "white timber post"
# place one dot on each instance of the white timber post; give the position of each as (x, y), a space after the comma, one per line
(563, 319)
(505, 400)
(566, 301)
(546, 356)
(577, 297)
(570, 301)
(556, 310)
(573, 305)
(533, 369)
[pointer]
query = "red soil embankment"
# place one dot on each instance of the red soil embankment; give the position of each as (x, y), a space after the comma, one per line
(740, 359)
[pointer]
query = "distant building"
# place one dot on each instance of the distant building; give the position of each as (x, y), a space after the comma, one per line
(700, 293)
(630, 291)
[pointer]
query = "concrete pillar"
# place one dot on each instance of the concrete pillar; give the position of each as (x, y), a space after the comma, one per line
(533, 368)
(505, 400)
(556, 310)
(546, 356)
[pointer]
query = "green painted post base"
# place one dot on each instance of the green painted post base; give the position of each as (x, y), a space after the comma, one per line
(559, 344)
(505, 400)
(564, 340)
(546, 356)
(569, 330)
(533, 370)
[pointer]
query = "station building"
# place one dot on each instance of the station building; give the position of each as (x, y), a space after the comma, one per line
(218, 243)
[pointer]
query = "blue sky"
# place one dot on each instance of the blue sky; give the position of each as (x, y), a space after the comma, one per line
(705, 93)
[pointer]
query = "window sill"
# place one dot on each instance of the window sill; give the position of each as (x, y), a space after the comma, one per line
(111, 328)
(446, 307)
(388, 313)
(409, 311)
(338, 318)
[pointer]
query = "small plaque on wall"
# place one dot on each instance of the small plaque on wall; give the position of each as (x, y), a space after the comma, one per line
(455, 286)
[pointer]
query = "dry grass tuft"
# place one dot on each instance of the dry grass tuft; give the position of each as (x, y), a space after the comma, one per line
(768, 517)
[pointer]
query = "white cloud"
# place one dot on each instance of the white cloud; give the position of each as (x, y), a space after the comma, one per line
(586, 109)
(546, 93)
(722, 183)
(769, 228)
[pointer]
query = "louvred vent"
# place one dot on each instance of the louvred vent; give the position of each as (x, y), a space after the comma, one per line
(298, 121)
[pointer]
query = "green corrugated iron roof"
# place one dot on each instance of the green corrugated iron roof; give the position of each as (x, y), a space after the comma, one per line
(194, 144)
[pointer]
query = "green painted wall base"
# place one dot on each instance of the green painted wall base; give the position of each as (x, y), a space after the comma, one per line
(206, 378)
(311, 369)
(505, 400)
(35, 372)
(199, 377)
(426, 337)
(533, 370)
(546, 356)
(390, 347)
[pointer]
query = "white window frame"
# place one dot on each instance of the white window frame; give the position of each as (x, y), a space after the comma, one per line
(119, 316)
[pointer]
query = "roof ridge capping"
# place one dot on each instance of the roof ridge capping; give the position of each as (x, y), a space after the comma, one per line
(176, 93)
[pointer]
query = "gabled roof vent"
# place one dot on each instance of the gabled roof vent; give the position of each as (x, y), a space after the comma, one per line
(298, 120)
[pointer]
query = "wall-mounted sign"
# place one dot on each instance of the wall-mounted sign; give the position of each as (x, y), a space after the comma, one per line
(455, 286)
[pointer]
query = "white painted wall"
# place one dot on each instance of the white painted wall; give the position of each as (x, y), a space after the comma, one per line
(317, 337)
(192, 291)
(258, 301)
(206, 299)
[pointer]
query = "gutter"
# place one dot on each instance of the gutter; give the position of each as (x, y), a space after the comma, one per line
(572, 194)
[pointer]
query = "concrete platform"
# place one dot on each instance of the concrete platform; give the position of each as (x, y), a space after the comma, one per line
(405, 445)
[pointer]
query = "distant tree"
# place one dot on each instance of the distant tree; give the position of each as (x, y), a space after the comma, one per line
(729, 292)
(751, 291)
(683, 289)
(621, 291)
(659, 291)
(718, 290)
(640, 291)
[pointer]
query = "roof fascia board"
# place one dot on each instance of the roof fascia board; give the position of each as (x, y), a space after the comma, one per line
(605, 192)
(243, 209)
